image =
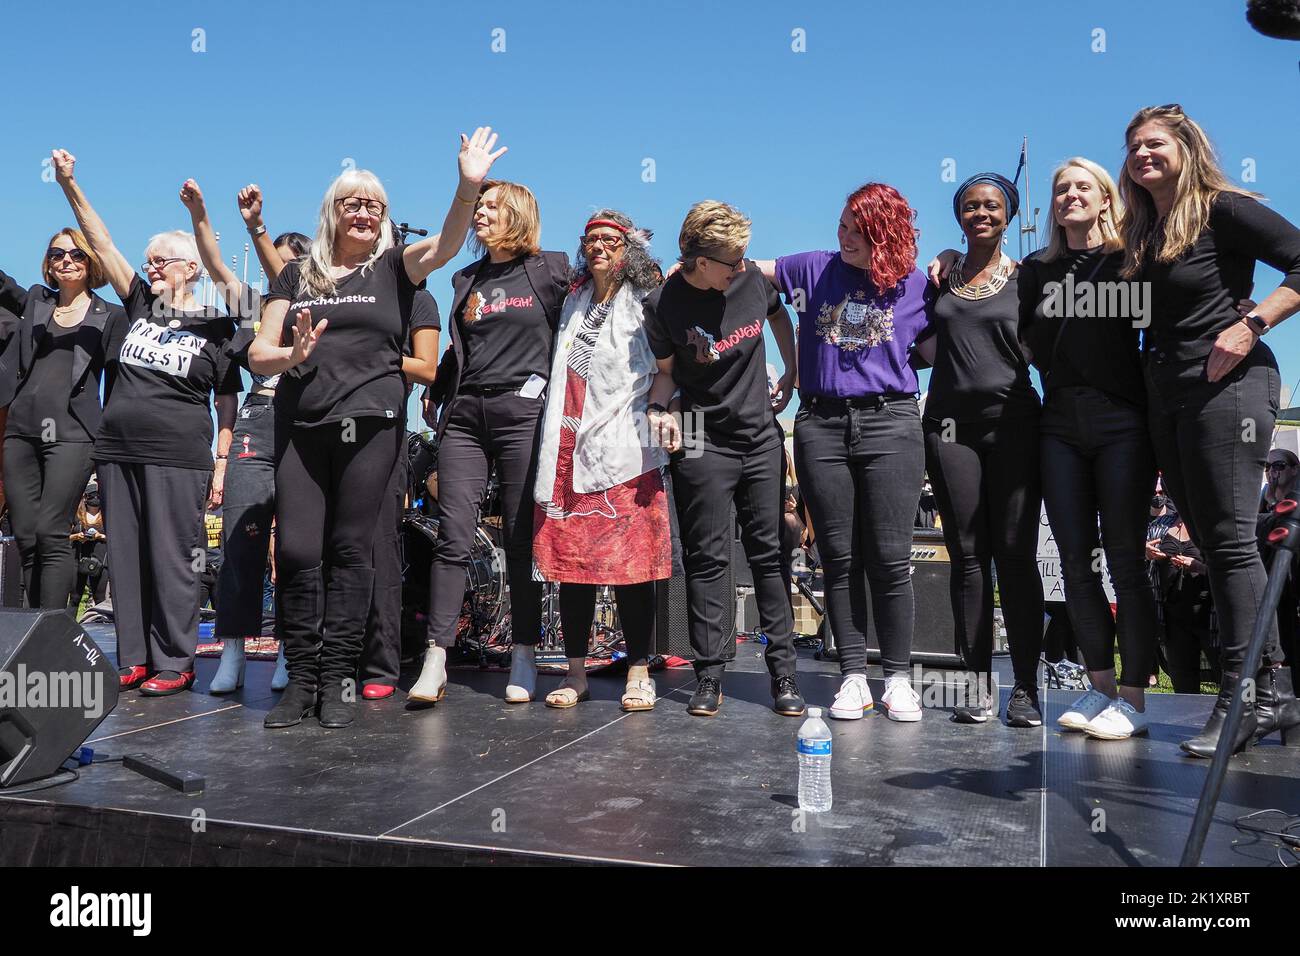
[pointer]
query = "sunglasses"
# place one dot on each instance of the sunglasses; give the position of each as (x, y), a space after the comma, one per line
(722, 262)
(1277, 466)
(56, 255)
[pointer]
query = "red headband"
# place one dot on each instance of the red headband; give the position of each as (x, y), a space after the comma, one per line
(605, 222)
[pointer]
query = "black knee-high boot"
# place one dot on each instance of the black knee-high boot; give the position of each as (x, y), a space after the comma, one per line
(298, 600)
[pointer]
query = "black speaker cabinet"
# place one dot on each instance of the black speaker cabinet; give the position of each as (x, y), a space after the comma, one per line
(672, 617)
(56, 687)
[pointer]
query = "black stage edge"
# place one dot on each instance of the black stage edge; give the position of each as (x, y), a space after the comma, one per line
(477, 781)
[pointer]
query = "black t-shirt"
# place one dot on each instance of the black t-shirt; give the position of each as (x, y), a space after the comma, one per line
(715, 340)
(504, 329)
(169, 364)
(1099, 350)
(251, 310)
(355, 371)
(1194, 299)
(40, 409)
(424, 315)
(979, 371)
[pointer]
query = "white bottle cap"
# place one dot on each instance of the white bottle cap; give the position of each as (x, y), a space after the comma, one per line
(814, 711)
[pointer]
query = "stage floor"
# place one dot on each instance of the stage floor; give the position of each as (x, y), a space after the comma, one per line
(475, 780)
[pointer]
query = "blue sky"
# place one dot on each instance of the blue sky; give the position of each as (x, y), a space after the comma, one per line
(584, 94)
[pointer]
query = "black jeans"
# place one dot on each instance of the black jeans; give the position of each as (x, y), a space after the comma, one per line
(1097, 460)
(1211, 442)
(329, 492)
(381, 653)
(704, 489)
(44, 481)
(988, 488)
(247, 510)
(636, 615)
(501, 427)
(860, 470)
(153, 520)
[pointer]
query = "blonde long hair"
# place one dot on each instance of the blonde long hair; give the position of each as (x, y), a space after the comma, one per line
(1107, 221)
(1200, 181)
(315, 280)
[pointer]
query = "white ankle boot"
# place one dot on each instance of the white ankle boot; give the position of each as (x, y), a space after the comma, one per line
(432, 685)
(230, 672)
(523, 674)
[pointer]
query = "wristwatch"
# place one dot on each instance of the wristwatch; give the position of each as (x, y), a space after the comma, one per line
(256, 231)
(655, 407)
(1257, 325)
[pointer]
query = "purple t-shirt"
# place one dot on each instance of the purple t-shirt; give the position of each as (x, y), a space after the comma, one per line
(852, 340)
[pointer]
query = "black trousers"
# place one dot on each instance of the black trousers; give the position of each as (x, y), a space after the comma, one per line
(499, 428)
(44, 481)
(1211, 442)
(1187, 611)
(97, 582)
(330, 483)
(1097, 461)
(153, 519)
(247, 511)
(987, 485)
(704, 489)
(381, 653)
(860, 470)
(636, 615)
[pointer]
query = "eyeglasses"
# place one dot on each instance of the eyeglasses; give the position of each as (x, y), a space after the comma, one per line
(609, 242)
(160, 263)
(730, 265)
(352, 205)
(1277, 466)
(56, 255)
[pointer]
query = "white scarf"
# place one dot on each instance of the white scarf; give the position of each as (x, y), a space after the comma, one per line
(608, 449)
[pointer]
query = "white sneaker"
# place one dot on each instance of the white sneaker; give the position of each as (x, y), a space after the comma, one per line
(1083, 710)
(853, 700)
(900, 701)
(1119, 721)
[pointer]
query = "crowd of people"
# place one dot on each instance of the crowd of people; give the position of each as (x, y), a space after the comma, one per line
(624, 412)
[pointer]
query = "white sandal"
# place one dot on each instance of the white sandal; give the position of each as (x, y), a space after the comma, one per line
(639, 695)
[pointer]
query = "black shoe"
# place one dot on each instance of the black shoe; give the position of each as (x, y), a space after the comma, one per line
(787, 700)
(707, 698)
(1207, 741)
(1276, 707)
(338, 706)
(1022, 709)
(296, 702)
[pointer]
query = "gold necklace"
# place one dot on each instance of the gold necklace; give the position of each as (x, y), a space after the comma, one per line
(983, 290)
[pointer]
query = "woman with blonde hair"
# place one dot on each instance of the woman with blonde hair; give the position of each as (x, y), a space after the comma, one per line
(339, 406)
(1082, 323)
(1193, 238)
(153, 452)
(56, 361)
(493, 379)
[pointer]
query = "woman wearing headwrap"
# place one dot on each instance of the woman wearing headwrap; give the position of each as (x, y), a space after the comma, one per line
(981, 450)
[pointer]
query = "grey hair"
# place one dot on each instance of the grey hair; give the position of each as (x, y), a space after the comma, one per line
(179, 243)
(638, 267)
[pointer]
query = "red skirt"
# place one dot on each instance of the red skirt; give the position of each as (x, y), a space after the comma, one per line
(618, 536)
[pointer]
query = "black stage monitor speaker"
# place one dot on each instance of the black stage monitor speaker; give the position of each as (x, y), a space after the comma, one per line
(672, 617)
(56, 686)
(934, 640)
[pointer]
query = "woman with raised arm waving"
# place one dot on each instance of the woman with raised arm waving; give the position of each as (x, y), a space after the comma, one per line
(153, 453)
(56, 360)
(339, 405)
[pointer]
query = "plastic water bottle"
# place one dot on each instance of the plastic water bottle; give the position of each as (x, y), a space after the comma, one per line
(814, 763)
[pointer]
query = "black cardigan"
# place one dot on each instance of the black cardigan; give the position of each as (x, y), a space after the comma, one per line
(548, 273)
(94, 351)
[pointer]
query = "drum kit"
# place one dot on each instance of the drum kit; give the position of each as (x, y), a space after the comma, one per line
(483, 628)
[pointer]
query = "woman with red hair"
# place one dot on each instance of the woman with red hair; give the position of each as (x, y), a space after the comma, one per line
(857, 437)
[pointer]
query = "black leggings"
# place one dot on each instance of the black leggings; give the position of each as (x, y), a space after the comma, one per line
(636, 614)
(987, 486)
(330, 482)
(43, 483)
(1097, 460)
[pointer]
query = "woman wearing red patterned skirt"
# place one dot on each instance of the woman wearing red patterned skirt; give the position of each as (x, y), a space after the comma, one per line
(602, 514)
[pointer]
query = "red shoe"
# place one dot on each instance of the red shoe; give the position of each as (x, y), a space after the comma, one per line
(377, 691)
(166, 683)
(129, 678)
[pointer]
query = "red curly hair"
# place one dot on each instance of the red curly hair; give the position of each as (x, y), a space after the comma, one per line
(884, 217)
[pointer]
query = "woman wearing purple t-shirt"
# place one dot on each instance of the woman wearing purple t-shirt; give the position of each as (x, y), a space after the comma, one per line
(857, 437)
